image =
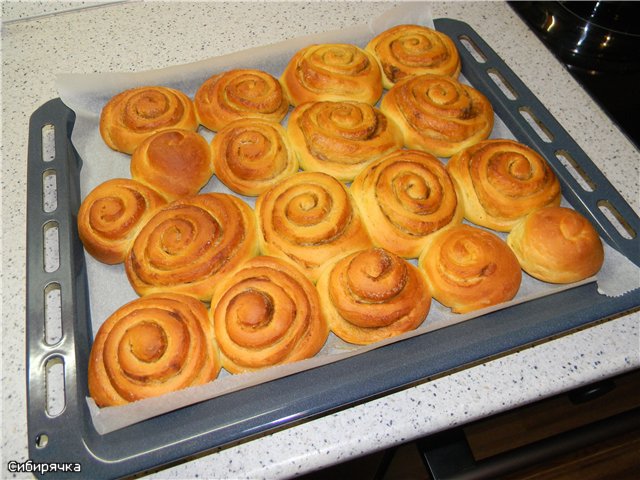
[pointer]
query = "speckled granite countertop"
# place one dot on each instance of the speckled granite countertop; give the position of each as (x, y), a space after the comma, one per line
(94, 37)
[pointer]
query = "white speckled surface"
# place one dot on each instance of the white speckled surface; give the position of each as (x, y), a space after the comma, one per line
(137, 36)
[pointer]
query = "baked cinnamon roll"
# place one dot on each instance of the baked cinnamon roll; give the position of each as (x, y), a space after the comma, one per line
(151, 346)
(240, 93)
(469, 268)
(111, 216)
(373, 294)
(333, 72)
(407, 195)
(308, 219)
(135, 114)
(252, 155)
(501, 181)
(189, 244)
(266, 313)
(341, 138)
(409, 50)
(438, 114)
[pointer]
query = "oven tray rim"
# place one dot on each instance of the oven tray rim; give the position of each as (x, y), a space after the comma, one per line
(241, 415)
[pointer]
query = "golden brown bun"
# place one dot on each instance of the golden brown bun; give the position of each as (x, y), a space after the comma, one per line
(333, 72)
(438, 114)
(371, 295)
(188, 245)
(500, 181)
(341, 138)
(111, 215)
(240, 93)
(469, 268)
(557, 245)
(151, 346)
(308, 219)
(135, 114)
(251, 155)
(409, 50)
(267, 313)
(404, 197)
(176, 163)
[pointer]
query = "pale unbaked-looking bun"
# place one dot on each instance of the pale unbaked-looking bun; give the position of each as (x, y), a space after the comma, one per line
(500, 181)
(409, 50)
(240, 93)
(341, 138)
(438, 114)
(557, 245)
(176, 163)
(333, 72)
(135, 114)
(373, 294)
(469, 268)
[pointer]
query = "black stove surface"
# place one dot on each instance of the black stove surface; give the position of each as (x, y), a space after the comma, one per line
(599, 44)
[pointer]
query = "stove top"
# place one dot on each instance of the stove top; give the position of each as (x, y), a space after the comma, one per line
(598, 42)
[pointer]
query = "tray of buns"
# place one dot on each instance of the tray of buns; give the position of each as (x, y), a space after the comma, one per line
(273, 294)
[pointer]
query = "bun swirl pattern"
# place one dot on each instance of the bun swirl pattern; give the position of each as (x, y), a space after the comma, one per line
(407, 195)
(500, 181)
(177, 163)
(267, 313)
(469, 268)
(309, 218)
(341, 138)
(333, 72)
(240, 93)
(187, 245)
(135, 114)
(151, 346)
(111, 215)
(438, 114)
(373, 294)
(251, 155)
(409, 50)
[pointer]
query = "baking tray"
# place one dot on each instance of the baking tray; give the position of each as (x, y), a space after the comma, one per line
(69, 436)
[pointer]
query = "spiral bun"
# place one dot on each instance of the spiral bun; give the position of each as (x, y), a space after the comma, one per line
(267, 313)
(111, 216)
(135, 114)
(469, 268)
(176, 163)
(557, 245)
(333, 72)
(187, 245)
(240, 93)
(151, 346)
(407, 195)
(251, 155)
(341, 138)
(438, 114)
(501, 181)
(308, 219)
(373, 294)
(409, 50)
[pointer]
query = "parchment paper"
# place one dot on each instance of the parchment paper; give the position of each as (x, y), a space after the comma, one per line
(108, 285)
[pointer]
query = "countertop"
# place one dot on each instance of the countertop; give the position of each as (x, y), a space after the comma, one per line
(40, 40)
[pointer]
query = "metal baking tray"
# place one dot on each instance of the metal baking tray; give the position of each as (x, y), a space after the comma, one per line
(68, 435)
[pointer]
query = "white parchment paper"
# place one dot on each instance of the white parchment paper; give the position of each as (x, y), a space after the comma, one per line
(108, 285)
